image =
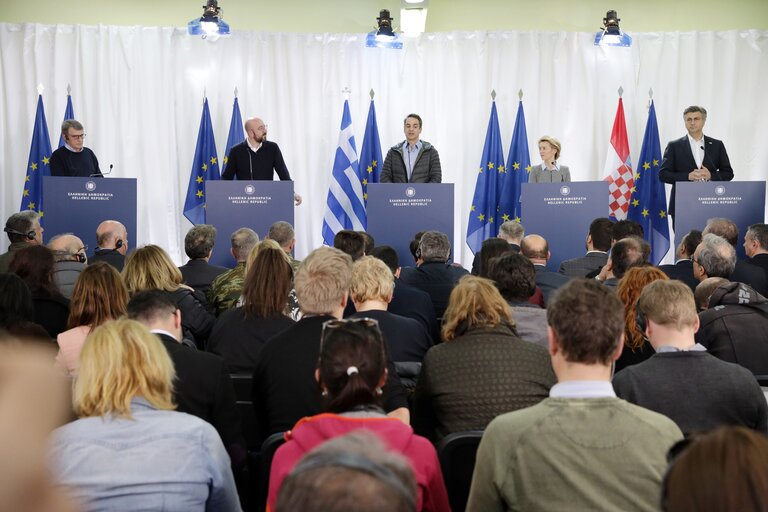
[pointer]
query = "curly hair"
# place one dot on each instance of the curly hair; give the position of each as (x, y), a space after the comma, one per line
(630, 287)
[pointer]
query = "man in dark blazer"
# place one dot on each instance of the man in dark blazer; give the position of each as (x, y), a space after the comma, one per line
(743, 271)
(111, 244)
(756, 246)
(197, 272)
(413, 160)
(202, 387)
(598, 244)
(682, 270)
(511, 232)
(536, 249)
(694, 157)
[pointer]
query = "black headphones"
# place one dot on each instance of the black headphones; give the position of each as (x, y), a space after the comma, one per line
(80, 257)
(31, 235)
(119, 243)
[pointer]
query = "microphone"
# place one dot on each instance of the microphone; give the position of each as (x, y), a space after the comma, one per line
(102, 174)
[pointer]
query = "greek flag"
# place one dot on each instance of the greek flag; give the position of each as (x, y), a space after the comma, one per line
(345, 208)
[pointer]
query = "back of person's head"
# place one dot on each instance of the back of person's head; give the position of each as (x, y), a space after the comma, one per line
(268, 281)
(625, 228)
(716, 256)
(34, 264)
(691, 241)
(705, 289)
(350, 242)
(725, 469)
(514, 276)
(511, 231)
(242, 242)
(371, 280)
(669, 303)
(68, 247)
(15, 299)
(628, 291)
(434, 246)
(627, 253)
(110, 234)
(725, 228)
(150, 267)
(370, 242)
(150, 306)
(351, 472)
(99, 295)
(322, 280)
(263, 245)
(20, 226)
(413, 245)
(388, 255)
(588, 320)
(475, 302)
(198, 243)
(492, 248)
(282, 232)
(601, 230)
(121, 360)
(352, 365)
(534, 247)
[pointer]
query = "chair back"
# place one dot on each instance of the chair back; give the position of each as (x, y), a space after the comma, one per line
(457, 453)
(268, 449)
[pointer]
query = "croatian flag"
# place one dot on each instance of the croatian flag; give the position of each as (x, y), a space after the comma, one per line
(618, 168)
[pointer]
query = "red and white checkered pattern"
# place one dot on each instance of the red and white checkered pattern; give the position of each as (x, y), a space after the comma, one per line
(618, 168)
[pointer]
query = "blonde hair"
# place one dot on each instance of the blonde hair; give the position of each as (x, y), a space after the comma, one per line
(322, 280)
(122, 360)
(371, 280)
(150, 267)
(553, 142)
(474, 302)
(668, 303)
(264, 244)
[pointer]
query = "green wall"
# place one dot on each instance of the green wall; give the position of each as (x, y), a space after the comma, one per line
(357, 16)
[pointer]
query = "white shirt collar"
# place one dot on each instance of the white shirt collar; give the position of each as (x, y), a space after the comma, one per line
(71, 148)
(253, 148)
(162, 331)
(582, 389)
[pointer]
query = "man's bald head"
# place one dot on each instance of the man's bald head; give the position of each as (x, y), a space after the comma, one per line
(66, 247)
(110, 233)
(535, 248)
(256, 130)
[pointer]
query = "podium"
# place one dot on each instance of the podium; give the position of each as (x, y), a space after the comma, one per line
(397, 211)
(231, 205)
(561, 213)
(79, 205)
(743, 202)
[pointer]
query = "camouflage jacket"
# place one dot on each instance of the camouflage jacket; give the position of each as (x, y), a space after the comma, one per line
(226, 289)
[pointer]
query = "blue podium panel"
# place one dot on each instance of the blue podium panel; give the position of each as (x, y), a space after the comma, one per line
(231, 205)
(397, 211)
(79, 205)
(743, 202)
(561, 213)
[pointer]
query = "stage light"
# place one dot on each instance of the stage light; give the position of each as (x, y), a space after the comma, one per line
(210, 25)
(385, 36)
(611, 34)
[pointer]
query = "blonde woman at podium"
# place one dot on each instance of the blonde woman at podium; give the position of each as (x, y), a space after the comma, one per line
(549, 171)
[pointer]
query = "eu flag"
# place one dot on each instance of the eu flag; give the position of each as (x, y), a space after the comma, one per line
(370, 154)
(518, 169)
(483, 214)
(37, 165)
(69, 113)
(236, 133)
(648, 205)
(204, 167)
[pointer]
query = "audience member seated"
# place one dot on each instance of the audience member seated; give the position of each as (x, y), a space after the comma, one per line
(726, 469)
(682, 381)
(351, 371)
(351, 472)
(240, 333)
(714, 257)
(413, 246)
(575, 449)
(515, 278)
(491, 248)
(370, 242)
(111, 244)
(743, 271)
(34, 264)
(69, 252)
(202, 387)
(351, 243)
(408, 300)
(482, 370)
(23, 229)
(512, 232)
(282, 233)
(130, 450)
(756, 246)
(150, 268)
(620, 230)
(536, 249)
(598, 244)
(284, 387)
(226, 289)
(636, 348)
(704, 291)
(197, 272)
(626, 253)
(682, 270)
(406, 340)
(734, 327)
(99, 296)
(434, 275)
(17, 311)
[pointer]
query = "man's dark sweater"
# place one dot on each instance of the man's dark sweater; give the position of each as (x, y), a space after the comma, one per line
(695, 390)
(74, 164)
(244, 164)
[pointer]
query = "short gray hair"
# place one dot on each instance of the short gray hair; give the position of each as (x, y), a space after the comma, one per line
(434, 246)
(70, 123)
(243, 240)
(759, 233)
(198, 243)
(695, 108)
(282, 233)
(716, 256)
(21, 222)
(511, 231)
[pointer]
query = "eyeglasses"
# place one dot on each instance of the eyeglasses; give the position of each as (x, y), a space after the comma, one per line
(330, 325)
(76, 137)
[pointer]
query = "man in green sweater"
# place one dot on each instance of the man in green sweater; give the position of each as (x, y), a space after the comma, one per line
(582, 448)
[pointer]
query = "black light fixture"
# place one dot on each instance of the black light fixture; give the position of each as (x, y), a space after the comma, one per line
(611, 34)
(385, 36)
(209, 25)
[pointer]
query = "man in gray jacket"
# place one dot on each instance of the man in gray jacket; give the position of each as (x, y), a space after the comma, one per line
(413, 160)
